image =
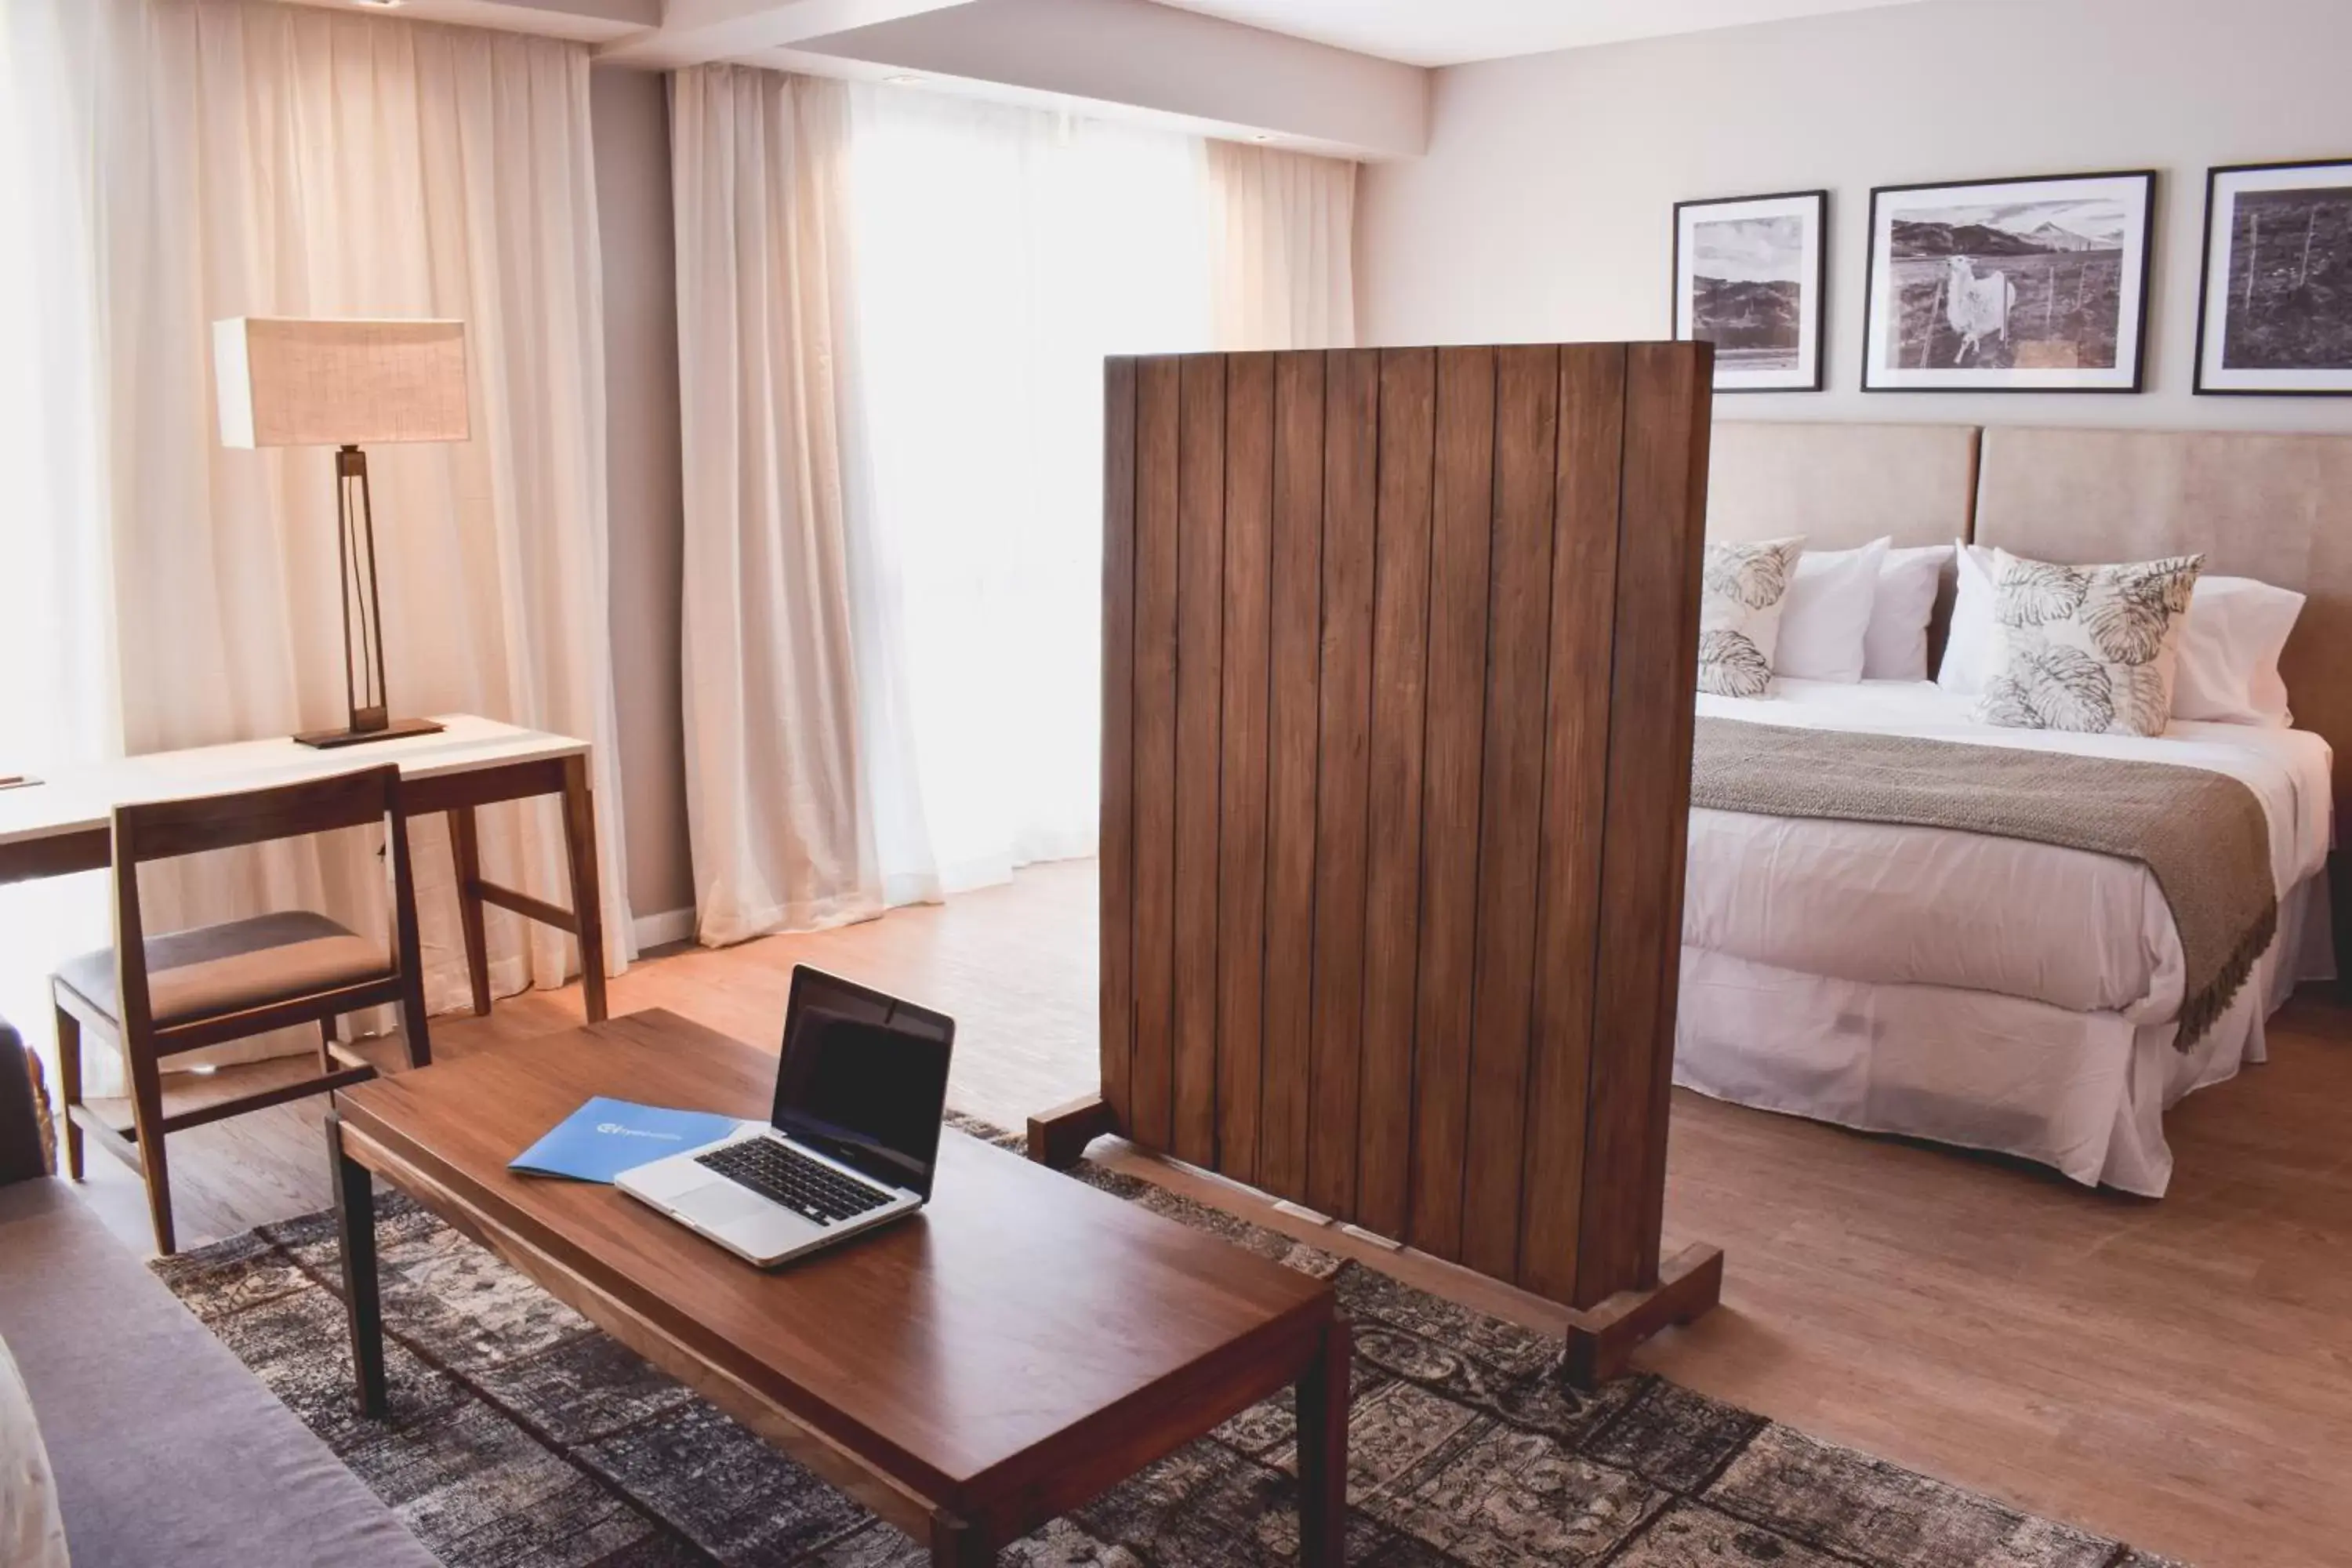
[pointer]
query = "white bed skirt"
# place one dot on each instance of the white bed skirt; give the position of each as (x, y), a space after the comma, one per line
(2083, 1092)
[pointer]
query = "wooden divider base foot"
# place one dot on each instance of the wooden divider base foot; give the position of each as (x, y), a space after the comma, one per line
(1058, 1138)
(1601, 1339)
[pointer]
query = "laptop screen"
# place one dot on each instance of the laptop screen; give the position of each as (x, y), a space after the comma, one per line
(864, 1077)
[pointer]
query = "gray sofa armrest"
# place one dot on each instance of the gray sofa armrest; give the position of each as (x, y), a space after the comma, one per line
(22, 1158)
(168, 1452)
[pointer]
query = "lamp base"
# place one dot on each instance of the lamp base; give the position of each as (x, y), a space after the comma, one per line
(328, 740)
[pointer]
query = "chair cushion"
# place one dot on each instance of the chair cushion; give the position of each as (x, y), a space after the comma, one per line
(239, 964)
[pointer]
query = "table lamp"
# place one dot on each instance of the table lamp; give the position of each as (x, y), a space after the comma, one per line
(285, 381)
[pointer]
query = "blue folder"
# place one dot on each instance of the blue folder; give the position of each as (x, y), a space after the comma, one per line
(606, 1137)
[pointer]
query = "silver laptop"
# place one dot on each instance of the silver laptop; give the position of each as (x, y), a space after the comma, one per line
(851, 1142)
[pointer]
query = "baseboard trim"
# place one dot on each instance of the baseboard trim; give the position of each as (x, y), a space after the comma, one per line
(671, 925)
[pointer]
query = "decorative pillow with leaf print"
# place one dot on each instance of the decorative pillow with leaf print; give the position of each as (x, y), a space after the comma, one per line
(2088, 648)
(1741, 593)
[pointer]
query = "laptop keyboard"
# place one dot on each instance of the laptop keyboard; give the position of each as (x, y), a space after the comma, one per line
(805, 1186)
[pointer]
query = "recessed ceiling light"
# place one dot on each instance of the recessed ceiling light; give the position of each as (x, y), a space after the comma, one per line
(378, 4)
(1261, 135)
(903, 78)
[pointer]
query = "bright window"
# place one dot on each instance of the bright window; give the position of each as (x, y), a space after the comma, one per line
(1001, 253)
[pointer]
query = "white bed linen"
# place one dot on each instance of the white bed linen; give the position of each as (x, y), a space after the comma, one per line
(2084, 1093)
(1923, 906)
(1969, 989)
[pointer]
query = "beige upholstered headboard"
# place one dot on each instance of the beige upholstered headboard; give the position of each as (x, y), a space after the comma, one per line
(1842, 485)
(2274, 507)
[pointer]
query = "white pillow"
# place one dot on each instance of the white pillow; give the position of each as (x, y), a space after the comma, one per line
(1968, 649)
(2230, 645)
(31, 1533)
(1826, 614)
(1742, 589)
(1895, 647)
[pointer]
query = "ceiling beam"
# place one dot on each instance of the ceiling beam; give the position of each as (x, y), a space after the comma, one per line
(694, 32)
(1129, 60)
(584, 21)
(1157, 59)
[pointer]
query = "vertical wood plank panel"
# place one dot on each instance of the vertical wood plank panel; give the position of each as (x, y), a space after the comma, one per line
(1293, 631)
(1463, 499)
(1117, 871)
(1200, 691)
(1393, 870)
(1576, 765)
(1397, 649)
(1241, 896)
(1351, 455)
(1679, 379)
(1151, 1081)
(1518, 635)
(1654, 671)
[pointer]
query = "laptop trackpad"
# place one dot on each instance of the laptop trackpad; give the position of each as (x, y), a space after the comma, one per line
(724, 1203)
(668, 1181)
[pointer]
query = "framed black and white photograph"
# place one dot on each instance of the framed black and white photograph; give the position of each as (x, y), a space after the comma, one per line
(1748, 278)
(2275, 313)
(2023, 285)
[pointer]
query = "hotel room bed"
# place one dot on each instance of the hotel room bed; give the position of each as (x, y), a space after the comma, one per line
(1991, 992)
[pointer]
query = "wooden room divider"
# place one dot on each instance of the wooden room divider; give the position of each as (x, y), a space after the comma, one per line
(1399, 654)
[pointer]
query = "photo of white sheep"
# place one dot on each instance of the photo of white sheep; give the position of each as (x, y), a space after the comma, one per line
(2037, 283)
(2022, 285)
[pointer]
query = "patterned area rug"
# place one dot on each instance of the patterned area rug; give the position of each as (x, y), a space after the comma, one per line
(519, 1434)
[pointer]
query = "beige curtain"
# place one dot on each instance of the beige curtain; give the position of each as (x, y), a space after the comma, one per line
(256, 159)
(777, 817)
(1282, 248)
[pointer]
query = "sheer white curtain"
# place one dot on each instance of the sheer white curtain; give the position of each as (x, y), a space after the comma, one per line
(1001, 253)
(255, 159)
(58, 697)
(931, 396)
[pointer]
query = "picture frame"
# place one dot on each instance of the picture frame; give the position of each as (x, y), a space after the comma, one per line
(1751, 275)
(2034, 283)
(2276, 322)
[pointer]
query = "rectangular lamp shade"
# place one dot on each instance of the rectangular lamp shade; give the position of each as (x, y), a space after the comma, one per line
(289, 382)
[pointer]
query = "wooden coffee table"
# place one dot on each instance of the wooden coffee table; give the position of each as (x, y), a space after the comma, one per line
(968, 1373)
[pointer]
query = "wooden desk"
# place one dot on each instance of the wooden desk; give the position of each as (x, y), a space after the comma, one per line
(64, 822)
(968, 1373)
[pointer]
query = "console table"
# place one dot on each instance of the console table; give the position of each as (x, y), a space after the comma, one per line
(63, 823)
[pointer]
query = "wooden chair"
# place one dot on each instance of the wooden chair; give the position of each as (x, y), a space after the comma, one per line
(150, 997)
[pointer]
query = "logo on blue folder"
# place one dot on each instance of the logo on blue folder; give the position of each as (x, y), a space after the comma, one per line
(620, 1130)
(606, 1137)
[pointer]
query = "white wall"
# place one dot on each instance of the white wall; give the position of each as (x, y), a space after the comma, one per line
(1542, 211)
(629, 116)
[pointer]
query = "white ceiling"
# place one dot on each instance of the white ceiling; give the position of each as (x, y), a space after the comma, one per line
(1450, 32)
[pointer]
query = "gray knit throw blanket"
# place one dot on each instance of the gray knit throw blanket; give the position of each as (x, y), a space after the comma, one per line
(2202, 834)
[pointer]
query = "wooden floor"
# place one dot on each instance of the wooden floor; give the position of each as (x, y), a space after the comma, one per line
(2177, 1373)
